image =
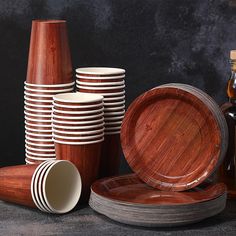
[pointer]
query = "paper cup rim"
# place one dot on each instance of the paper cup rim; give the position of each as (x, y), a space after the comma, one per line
(79, 137)
(77, 117)
(100, 71)
(78, 97)
(78, 122)
(98, 84)
(78, 112)
(50, 85)
(79, 143)
(79, 106)
(100, 88)
(77, 193)
(78, 127)
(49, 91)
(79, 133)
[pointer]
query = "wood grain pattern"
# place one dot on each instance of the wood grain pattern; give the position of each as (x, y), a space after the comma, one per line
(111, 155)
(86, 158)
(129, 189)
(15, 184)
(49, 55)
(165, 135)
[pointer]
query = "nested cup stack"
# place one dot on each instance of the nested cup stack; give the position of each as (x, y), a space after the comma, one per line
(110, 83)
(78, 133)
(49, 73)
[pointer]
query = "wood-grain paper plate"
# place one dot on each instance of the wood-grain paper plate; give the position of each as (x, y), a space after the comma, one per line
(174, 137)
(129, 200)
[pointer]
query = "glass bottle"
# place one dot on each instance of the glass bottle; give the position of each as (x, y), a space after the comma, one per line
(227, 171)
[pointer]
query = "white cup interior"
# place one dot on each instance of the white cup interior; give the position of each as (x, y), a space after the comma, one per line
(100, 71)
(78, 97)
(62, 187)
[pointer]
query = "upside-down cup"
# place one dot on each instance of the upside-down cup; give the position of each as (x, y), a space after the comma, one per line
(49, 62)
(52, 186)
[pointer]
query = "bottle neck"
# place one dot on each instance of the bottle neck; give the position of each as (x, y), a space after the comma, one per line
(231, 86)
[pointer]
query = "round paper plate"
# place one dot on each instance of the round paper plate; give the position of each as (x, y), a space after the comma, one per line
(171, 138)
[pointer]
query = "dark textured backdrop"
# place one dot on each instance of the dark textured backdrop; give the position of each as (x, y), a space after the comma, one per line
(156, 41)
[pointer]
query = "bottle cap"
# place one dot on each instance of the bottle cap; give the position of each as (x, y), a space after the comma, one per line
(233, 54)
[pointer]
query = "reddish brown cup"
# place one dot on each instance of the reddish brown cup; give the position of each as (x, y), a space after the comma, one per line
(110, 157)
(49, 62)
(86, 158)
(15, 182)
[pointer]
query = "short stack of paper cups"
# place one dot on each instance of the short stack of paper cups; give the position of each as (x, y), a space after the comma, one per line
(78, 133)
(110, 83)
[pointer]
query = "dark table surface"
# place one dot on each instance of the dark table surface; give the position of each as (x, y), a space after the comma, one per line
(18, 220)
